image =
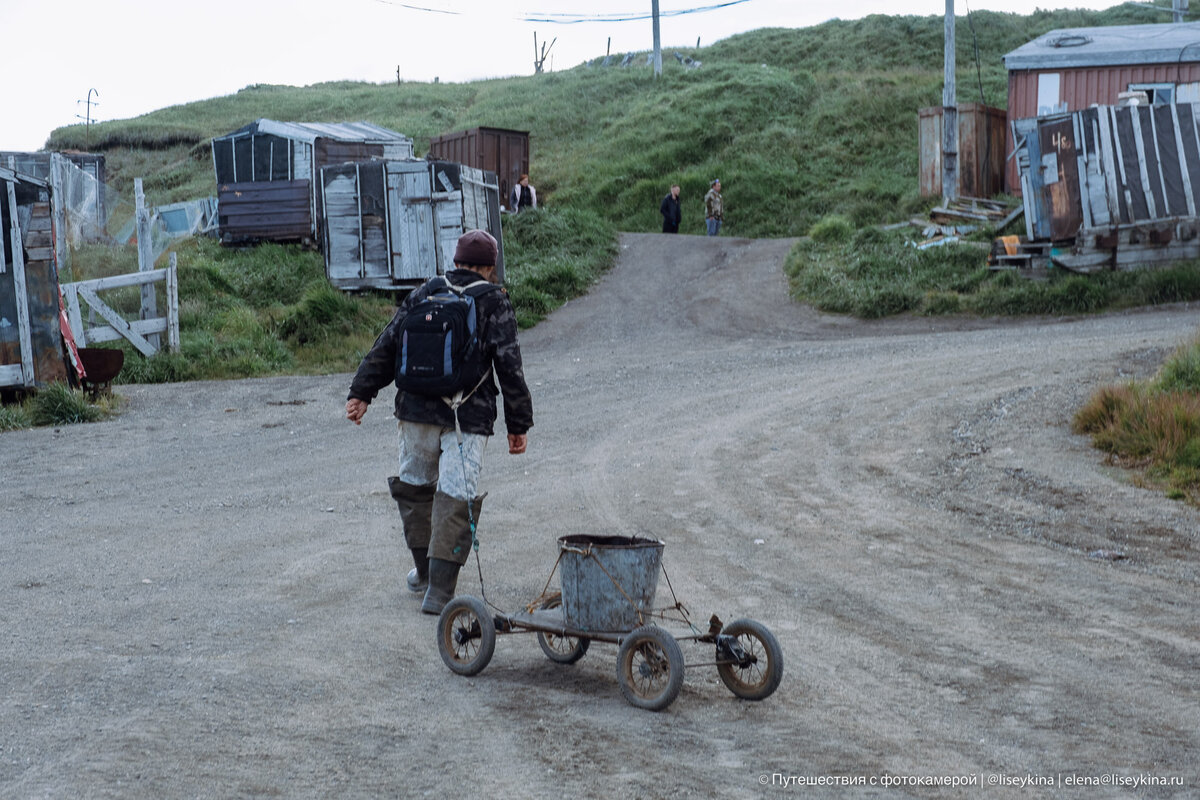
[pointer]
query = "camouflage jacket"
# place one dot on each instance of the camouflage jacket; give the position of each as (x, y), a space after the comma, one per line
(497, 334)
(712, 205)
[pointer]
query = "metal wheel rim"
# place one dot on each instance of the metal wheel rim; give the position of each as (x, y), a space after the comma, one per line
(647, 669)
(759, 671)
(563, 645)
(466, 651)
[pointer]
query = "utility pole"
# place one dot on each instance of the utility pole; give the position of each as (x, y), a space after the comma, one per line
(87, 129)
(949, 113)
(657, 40)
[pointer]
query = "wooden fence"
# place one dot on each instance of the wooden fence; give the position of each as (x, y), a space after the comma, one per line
(141, 333)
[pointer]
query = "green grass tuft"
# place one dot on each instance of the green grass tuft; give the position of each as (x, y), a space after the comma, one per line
(58, 404)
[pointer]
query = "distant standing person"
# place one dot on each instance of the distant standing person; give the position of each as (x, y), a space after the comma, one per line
(522, 196)
(713, 214)
(669, 208)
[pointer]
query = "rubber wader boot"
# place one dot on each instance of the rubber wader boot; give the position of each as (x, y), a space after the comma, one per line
(448, 548)
(443, 579)
(416, 512)
(418, 576)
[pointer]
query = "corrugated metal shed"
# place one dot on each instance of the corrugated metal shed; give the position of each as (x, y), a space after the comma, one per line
(1071, 69)
(500, 150)
(390, 224)
(30, 338)
(268, 151)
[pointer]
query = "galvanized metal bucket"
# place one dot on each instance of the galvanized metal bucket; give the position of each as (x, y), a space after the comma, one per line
(608, 582)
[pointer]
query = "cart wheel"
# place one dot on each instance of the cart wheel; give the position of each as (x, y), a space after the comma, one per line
(558, 648)
(751, 665)
(466, 635)
(650, 668)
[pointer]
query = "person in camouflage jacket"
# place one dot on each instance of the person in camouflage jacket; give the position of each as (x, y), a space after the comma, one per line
(437, 488)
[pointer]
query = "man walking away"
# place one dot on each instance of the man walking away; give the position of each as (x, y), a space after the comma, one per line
(442, 447)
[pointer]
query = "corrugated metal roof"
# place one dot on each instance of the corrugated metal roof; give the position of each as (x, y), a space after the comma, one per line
(310, 131)
(1109, 46)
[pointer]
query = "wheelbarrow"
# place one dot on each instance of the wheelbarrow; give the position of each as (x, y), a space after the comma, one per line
(608, 588)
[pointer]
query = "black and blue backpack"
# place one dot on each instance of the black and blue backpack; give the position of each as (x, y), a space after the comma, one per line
(439, 353)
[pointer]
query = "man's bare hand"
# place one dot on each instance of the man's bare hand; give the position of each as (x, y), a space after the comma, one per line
(517, 443)
(355, 409)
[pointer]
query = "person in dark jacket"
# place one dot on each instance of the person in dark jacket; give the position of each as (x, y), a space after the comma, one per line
(437, 489)
(671, 213)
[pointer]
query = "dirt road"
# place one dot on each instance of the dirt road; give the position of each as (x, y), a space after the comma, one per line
(203, 598)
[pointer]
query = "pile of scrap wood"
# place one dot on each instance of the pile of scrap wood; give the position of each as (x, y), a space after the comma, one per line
(976, 209)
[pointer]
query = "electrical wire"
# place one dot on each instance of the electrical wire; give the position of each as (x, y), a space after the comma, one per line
(559, 18)
(574, 19)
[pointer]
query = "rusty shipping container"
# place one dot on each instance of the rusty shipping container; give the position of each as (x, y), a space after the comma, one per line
(1073, 69)
(30, 338)
(266, 151)
(981, 136)
(500, 150)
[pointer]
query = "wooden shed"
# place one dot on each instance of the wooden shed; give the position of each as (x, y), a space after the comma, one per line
(981, 137)
(1070, 69)
(268, 174)
(31, 352)
(1117, 183)
(395, 224)
(499, 150)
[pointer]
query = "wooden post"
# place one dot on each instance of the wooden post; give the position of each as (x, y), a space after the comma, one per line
(145, 251)
(24, 334)
(949, 113)
(657, 39)
(173, 304)
(58, 211)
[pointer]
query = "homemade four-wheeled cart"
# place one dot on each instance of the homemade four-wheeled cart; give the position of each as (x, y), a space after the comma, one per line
(608, 589)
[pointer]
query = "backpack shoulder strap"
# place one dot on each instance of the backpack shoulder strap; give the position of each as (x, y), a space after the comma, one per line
(487, 285)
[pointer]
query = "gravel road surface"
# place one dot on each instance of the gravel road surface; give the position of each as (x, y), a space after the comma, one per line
(204, 597)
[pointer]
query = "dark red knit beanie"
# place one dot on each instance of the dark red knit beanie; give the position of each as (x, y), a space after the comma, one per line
(477, 248)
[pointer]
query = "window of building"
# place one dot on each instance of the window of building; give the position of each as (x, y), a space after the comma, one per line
(1049, 89)
(1159, 94)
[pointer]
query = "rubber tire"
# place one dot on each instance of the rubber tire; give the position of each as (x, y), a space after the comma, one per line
(653, 641)
(754, 682)
(466, 658)
(562, 655)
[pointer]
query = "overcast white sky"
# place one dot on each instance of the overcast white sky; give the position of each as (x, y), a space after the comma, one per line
(142, 55)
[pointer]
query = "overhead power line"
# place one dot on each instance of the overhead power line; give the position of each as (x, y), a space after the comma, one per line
(574, 19)
(559, 18)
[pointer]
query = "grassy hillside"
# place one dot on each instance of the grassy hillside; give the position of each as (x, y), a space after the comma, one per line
(798, 123)
(811, 131)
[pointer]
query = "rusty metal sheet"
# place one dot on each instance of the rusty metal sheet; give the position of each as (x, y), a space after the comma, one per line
(1060, 177)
